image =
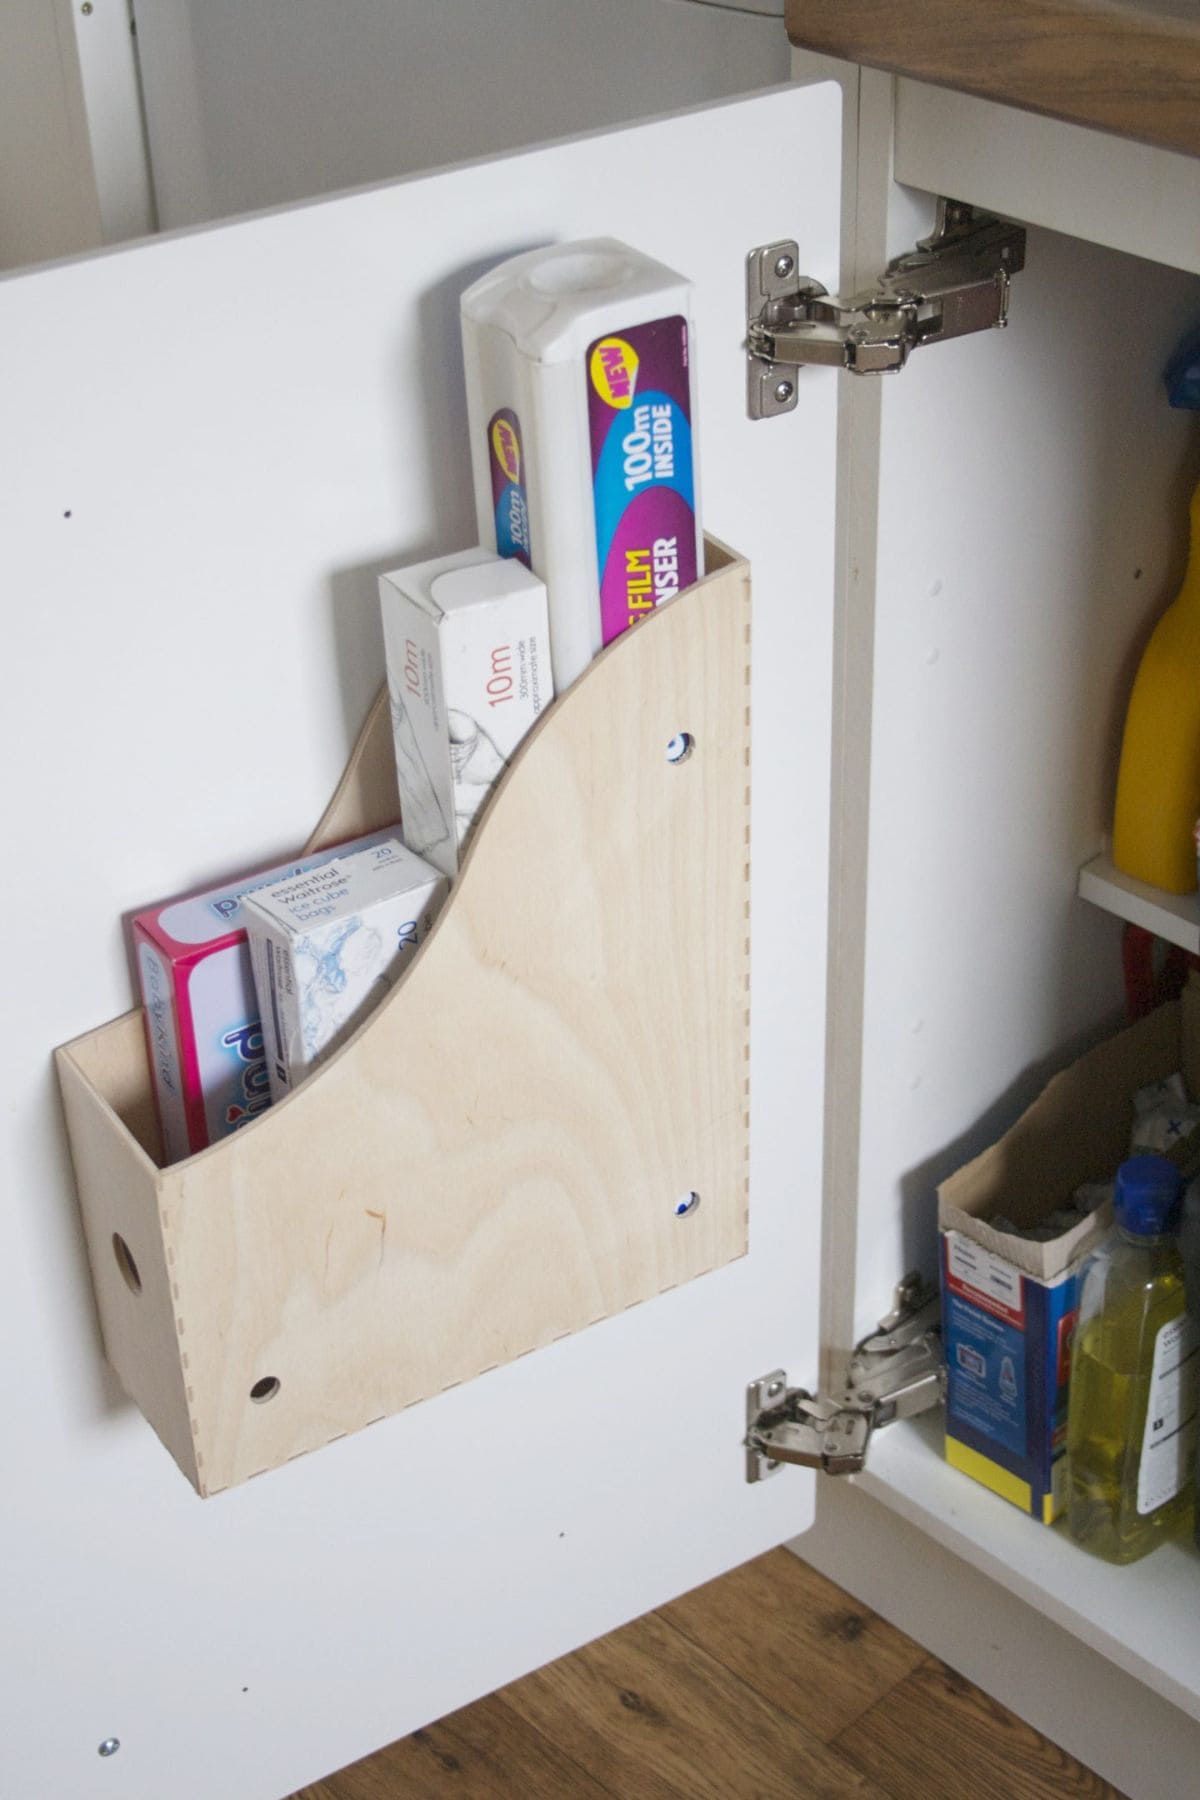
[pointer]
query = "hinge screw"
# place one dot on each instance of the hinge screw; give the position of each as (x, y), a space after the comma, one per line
(775, 1389)
(784, 265)
(110, 1746)
(784, 391)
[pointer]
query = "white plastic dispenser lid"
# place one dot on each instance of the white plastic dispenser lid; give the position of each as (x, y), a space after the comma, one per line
(554, 302)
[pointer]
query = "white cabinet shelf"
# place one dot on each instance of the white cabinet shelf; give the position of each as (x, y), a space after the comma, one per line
(1143, 1617)
(1174, 917)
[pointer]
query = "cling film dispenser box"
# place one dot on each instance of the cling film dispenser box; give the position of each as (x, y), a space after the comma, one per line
(580, 371)
(1008, 1303)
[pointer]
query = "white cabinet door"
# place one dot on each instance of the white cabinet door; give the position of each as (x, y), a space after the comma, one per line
(211, 445)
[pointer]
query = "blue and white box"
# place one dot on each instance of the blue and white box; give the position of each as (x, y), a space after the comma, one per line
(1007, 1339)
(325, 948)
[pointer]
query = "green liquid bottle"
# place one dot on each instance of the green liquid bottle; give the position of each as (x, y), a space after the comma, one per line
(1131, 1424)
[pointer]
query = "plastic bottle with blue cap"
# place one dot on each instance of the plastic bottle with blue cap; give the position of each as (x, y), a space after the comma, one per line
(1131, 1427)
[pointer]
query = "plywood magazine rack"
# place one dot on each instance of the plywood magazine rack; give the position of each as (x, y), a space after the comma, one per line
(544, 1122)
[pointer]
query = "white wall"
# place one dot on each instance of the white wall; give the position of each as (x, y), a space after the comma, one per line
(255, 105)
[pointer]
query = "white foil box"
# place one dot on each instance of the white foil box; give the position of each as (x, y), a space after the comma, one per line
(468, 661)
(326, 946)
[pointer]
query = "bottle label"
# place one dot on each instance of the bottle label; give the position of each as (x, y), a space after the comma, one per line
(1169, 1443)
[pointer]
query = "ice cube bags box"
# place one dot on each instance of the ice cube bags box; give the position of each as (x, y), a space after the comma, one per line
(580, 366)
(202, 1026)
(325, 947)
(468, 661)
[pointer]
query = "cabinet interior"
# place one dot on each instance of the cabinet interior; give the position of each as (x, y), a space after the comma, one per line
(1032, 525)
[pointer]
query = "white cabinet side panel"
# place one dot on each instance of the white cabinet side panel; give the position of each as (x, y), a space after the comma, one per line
(1032, 525)
(194, 521)
(252, 105)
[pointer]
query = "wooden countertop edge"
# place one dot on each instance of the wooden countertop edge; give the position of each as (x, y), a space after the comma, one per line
(1111, 64)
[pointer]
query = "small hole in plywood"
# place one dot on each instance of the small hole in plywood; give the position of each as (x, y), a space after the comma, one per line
(266, 1389)
(687, 1204)
(680, 747)
(126, 1264)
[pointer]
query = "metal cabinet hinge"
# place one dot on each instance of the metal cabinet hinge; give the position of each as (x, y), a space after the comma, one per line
(895, 1372)
(954, 282)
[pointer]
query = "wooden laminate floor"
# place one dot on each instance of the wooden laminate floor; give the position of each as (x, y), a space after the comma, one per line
(766, 1685)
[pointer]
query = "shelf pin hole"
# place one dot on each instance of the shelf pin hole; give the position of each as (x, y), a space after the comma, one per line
(126, 1264)
(266, 1389)
(680, 747)
(686, 1204)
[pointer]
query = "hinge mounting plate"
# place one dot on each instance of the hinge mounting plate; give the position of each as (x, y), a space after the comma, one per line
(895, 1372)
(955, 281)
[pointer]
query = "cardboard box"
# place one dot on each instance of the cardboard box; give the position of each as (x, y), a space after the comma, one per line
(202, 1026)
(1008, 1303)
(326, 946)
(468, 661)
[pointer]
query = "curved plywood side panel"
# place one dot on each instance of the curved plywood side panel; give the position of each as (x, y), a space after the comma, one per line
(498, 1156)
(366, 797)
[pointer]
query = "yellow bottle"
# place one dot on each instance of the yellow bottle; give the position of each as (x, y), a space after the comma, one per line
(1158, 785)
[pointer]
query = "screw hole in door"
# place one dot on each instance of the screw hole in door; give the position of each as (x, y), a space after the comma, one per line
(680, 747)
(266, 1389)
(126, 1264)
(686, 1204)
